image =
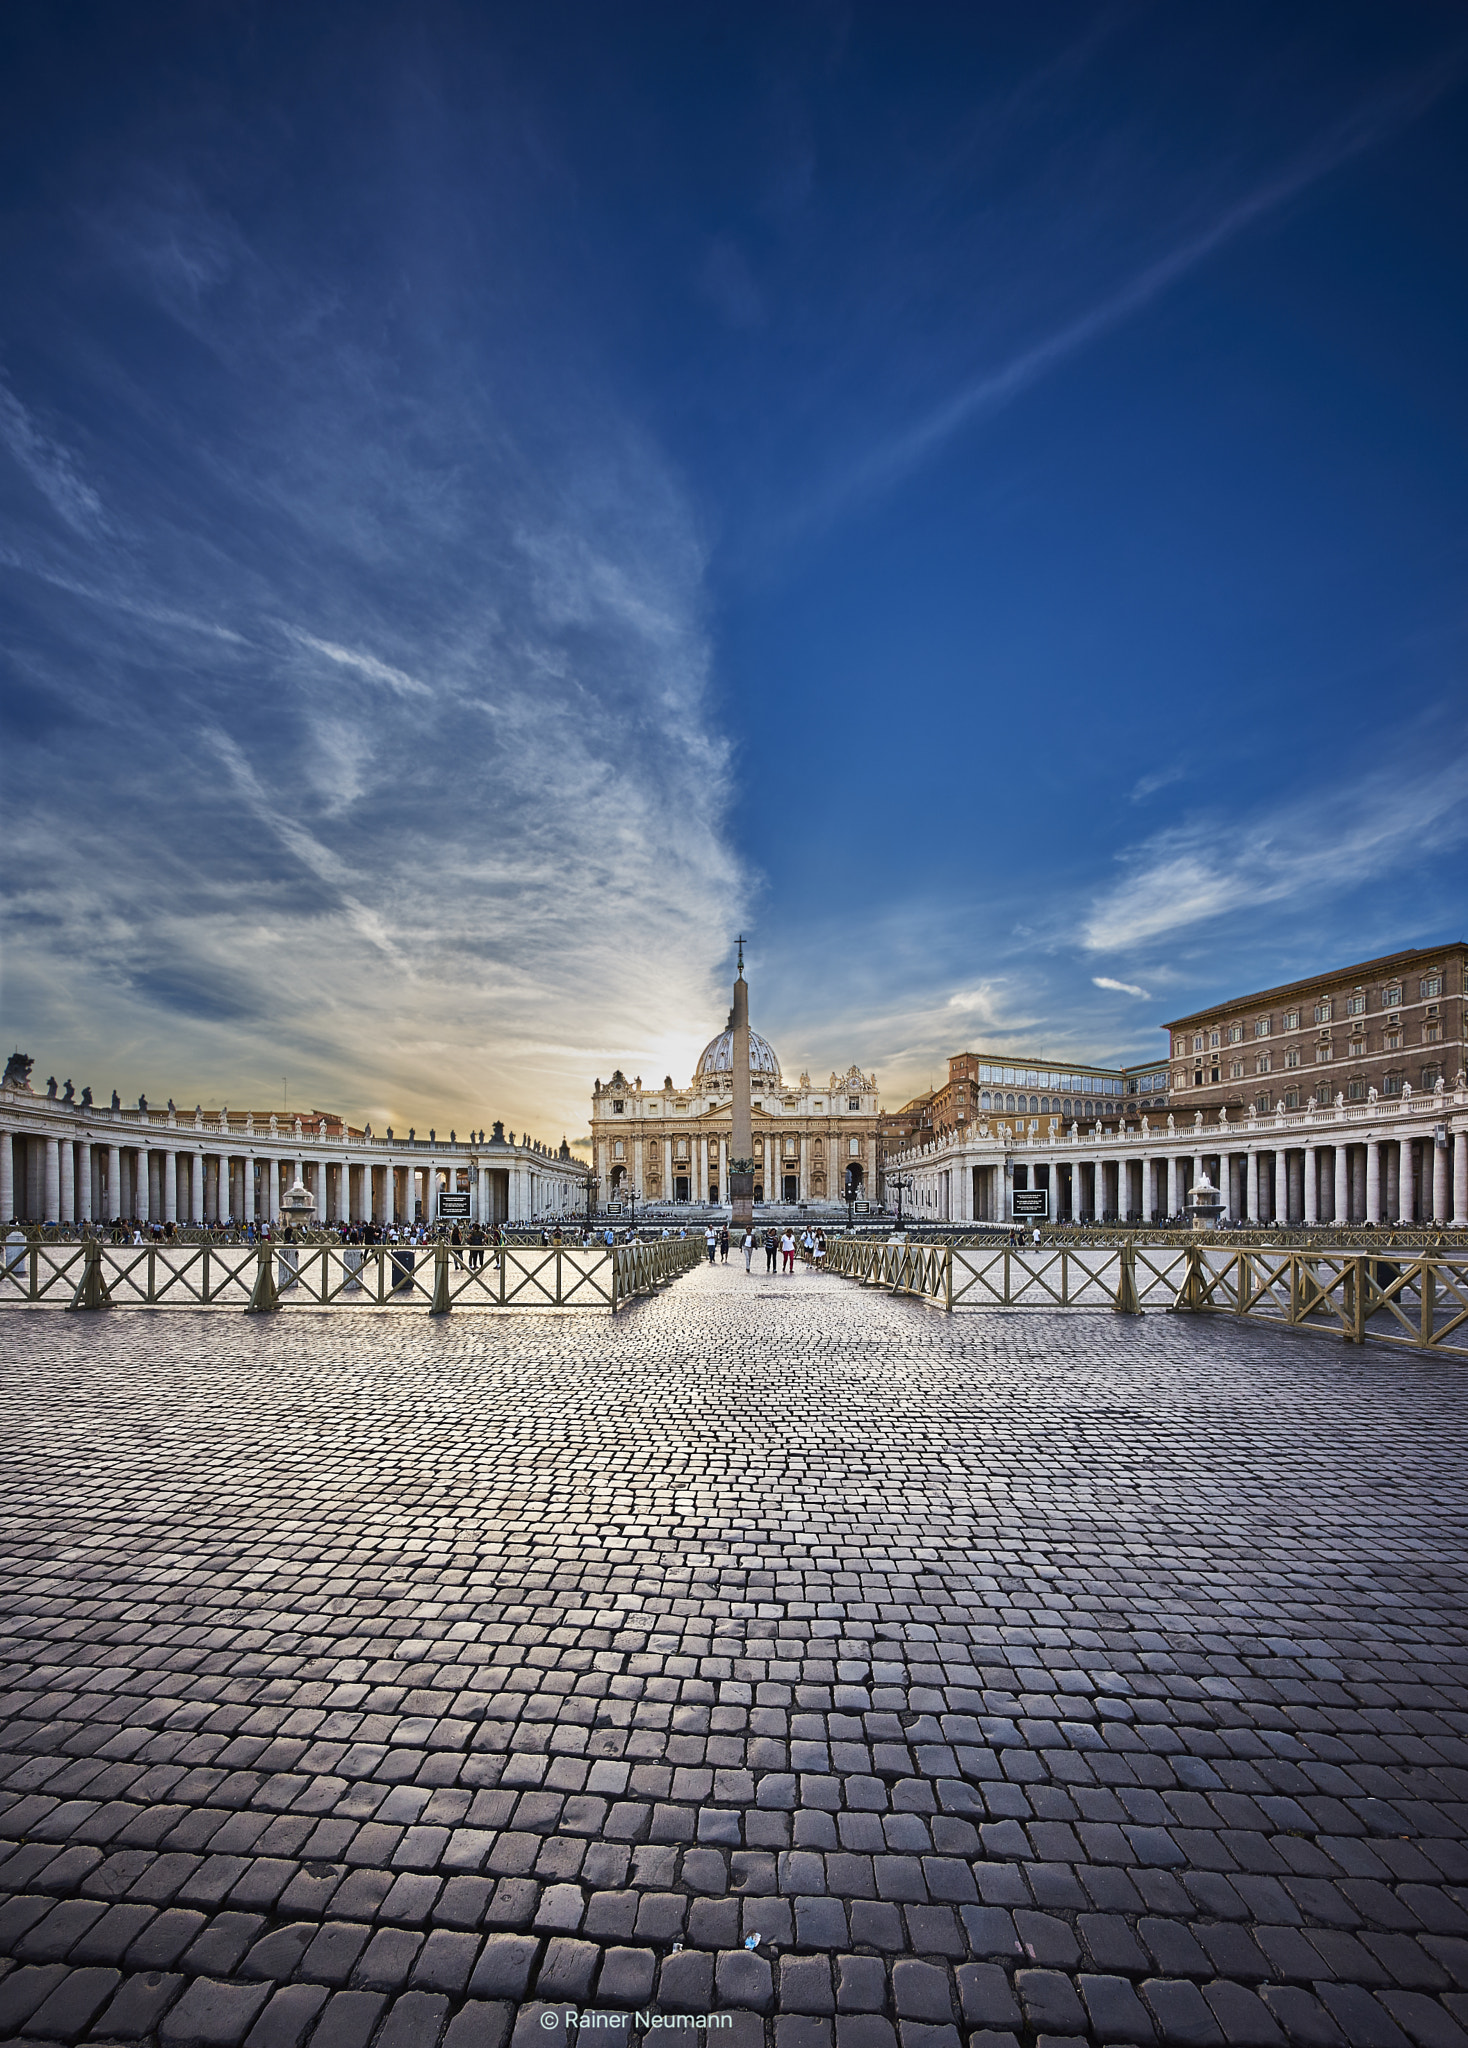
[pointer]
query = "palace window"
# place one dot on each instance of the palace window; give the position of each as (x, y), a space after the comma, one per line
(1356, 1006)
(1323, 1051)
(1262, 1099)
(1432, 985)
(1392, 998)
(1322, 1094)
(1235, 1033)
(1392, 1085)
(1323, 1011)
(1292, 1020)
(1213, 1038)
(1263, 1063)
(1430, 1076)
(1197, 1041)
(1291, 1098)
(986, 1101)
(1393, 1041)
(1356, 1090)
(1292, 1056)
(1431, 1033)
(1236, 1071)
(1263, 1026)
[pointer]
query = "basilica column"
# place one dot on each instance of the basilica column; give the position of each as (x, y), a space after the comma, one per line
(804, 1191)
(1406, 1192)
(723, 1169)
(1373, 1180)
(1312, 1186)
(1342, 1187)
(667, 1170)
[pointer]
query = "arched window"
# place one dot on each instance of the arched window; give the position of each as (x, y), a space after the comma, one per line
(1009, 1104)
(986, 1100)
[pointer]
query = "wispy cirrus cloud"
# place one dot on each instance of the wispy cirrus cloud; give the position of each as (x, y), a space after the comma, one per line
(53, 468)
(1307, 851)
(990, 392)
(429, 764)
(1121, 988)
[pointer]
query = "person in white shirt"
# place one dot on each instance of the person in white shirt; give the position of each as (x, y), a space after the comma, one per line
(748, 1248)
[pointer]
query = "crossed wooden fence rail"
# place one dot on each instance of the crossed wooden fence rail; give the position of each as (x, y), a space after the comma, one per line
(1414, 1301)
(261, 1278)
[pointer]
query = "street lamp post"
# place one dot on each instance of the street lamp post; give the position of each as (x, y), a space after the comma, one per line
(902, 1183)
(592, 1184)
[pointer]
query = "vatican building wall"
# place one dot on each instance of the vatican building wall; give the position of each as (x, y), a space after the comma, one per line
(670, 1144)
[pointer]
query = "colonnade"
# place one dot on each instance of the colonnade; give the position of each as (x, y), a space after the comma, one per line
(49, 1176)
(1416, 1176)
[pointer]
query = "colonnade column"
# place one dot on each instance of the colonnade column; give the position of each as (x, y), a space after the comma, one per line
(66, 1189)
(1460, 1176)
(1406, 1193)
(7, 1177)
(196, 1188)
(667, 1172)
(170, 1186)
(390, 1193)
(1173, 1204)
(1312, 1185)
(723, 1169)
(1439, 1183)
(113, 1203)
(1342, 1186)
(83, 1181)
(1252, 1191)
(1373, 1180)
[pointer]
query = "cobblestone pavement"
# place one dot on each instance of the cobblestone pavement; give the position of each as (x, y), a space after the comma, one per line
(1009, 1677)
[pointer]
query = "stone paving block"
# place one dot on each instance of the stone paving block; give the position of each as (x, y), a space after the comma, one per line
(289, 2016)
(212, 2014)
(1045, 1741)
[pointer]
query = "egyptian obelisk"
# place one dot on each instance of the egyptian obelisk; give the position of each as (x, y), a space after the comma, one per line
(741, 1147)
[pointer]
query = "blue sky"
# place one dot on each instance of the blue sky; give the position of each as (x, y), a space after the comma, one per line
(494, 502)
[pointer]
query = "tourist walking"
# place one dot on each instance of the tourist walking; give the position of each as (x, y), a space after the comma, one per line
(476, 1248)
(808, 1246)
(712, 1241)
(787, 1251)
(748, 1248)
(771, 1244)
(820, 1251)
(457, 1241)
(724, 1245)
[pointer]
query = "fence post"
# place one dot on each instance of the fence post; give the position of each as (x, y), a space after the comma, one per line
(152, 1275)
(263, 1297)
(439, 1306)
(92, 1288)
(948, 1278)
(1427, 1287)
(1126, 1303)
(612, 1255)
(35, 1267)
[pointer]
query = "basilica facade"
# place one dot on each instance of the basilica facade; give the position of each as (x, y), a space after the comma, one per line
(813, 1142)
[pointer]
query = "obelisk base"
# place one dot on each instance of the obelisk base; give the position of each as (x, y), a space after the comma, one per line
(741, 1197)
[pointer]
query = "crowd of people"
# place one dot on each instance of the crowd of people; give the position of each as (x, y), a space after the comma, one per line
(784, 1245)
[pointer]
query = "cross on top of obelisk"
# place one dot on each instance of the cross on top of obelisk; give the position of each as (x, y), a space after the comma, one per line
(741, 952)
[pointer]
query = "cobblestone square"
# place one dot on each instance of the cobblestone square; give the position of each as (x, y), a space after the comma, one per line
(998, 1677)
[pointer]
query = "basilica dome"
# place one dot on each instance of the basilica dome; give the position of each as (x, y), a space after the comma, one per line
(718, 1059)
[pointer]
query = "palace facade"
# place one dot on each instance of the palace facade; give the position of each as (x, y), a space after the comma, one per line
(812, 1142)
